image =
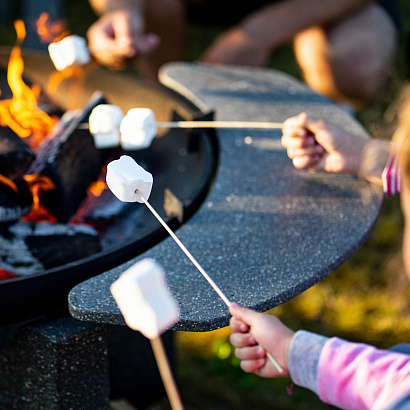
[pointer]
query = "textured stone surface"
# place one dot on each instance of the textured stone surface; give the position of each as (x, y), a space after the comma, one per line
(60, 363)
(266, 231)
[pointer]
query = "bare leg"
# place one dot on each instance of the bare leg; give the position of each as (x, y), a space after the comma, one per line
(353, 59)
(167, 18)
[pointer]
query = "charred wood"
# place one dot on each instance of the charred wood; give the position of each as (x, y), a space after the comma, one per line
(71, 161)
(15, 155)
(14, 204)
(27, 248)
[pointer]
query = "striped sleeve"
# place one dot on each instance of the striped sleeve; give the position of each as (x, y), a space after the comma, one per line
(391, 174)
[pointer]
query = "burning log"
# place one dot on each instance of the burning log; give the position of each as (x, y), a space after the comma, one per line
(71, 161)
(15, 201)
(27, 248)
(15, 155)
(46, 166)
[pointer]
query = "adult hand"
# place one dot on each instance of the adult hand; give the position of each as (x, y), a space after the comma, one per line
(118, 38)
(318, 144)
(254, 334)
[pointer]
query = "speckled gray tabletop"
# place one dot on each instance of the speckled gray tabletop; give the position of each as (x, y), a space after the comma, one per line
(266, 232)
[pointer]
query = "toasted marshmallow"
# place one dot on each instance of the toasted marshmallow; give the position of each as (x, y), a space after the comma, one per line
(125, 176)
(138, 129)
(69, 51)
(144, 300)
(104, 125)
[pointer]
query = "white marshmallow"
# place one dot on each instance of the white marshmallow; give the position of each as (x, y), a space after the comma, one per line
(69, 51)
(124, 176)
(144, 300)
(104, 125)
(138, 129)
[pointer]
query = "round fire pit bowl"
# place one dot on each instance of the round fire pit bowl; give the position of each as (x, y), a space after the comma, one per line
(182, 162)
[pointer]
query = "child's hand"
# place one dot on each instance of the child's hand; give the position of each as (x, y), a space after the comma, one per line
(254, 334)
(320, 145)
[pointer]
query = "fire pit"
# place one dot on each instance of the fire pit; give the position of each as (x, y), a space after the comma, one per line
(265, 232)
(182, 162)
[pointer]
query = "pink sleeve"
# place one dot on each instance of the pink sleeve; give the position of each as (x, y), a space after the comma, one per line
(359, 376)
(391, 174)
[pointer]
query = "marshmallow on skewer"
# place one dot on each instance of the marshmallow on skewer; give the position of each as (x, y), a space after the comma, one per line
(147, 306)
(138, 129)
(144, 300)
(68, 52)
(125, 176)
(124, 186)
(104, 125)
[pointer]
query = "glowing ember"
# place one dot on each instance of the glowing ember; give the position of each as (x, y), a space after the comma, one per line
(38, 183)
(39, 215)
(21, 113)
(4, 275)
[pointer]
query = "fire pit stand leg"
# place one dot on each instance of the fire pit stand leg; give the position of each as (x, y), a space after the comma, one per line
(134, 373)
(55, 364)
(63, 363)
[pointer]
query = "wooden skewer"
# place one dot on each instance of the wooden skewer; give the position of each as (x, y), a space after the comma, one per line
(211, 124)
(219, 124)
(185, 250)
(198, 266)
(166, 374)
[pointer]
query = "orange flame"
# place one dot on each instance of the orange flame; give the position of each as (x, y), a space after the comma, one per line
(36, 184)
(96, 188)
(55, 31)
(9, 183)
(49, 31)
(76, 74)
(21, 113)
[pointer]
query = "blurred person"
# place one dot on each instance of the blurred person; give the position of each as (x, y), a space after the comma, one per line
(344, 374)
(345, 48)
